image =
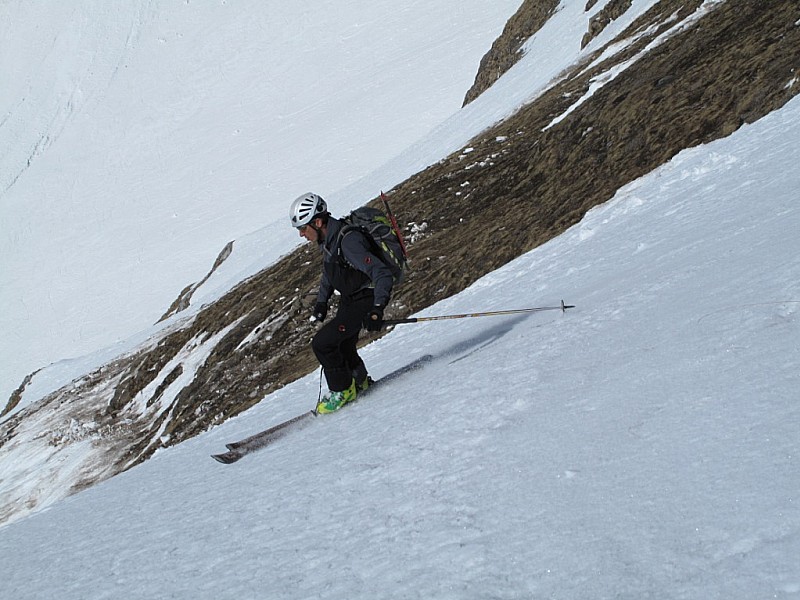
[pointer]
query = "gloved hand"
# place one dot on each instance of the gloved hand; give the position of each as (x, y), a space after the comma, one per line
(320, 312)
(374, 319)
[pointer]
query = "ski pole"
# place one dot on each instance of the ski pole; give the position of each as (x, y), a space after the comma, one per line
(562, 308)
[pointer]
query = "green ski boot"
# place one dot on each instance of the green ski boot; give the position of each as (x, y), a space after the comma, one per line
(364, 385)
(336, 400)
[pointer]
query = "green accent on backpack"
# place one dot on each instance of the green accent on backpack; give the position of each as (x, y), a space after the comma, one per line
(377, 228)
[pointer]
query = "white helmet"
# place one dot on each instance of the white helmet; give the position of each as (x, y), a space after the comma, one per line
(306, 208)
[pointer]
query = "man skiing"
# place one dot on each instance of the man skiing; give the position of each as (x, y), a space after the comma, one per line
(350, 267)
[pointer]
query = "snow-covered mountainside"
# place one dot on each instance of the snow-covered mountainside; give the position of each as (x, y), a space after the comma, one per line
(575, 119)
(281, 99)
(139, 137)
(642, 445)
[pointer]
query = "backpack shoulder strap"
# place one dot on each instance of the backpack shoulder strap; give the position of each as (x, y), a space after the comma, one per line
(373, 245)
(346, 229)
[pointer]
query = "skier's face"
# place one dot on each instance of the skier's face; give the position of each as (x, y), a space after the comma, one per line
(310, 233)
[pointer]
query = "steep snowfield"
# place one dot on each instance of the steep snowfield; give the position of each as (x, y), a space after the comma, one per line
(137, 138)
(51, 330)
(642, 445)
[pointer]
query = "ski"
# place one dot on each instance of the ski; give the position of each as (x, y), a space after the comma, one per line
(237, 450)
(243, 447)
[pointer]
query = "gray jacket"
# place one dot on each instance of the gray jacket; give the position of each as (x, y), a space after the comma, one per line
(349, 265)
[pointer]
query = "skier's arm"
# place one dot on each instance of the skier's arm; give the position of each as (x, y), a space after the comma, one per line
(325, 290)
(357, 252)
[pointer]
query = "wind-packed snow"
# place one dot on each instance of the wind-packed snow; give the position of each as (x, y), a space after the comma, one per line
(642, 445)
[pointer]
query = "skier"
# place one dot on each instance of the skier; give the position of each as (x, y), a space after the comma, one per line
(365, 283)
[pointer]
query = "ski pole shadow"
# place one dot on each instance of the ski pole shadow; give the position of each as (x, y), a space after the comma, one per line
(461, 350)
(415, 364)
(481, 340)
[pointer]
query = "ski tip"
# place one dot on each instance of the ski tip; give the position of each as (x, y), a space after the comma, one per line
(226, 458)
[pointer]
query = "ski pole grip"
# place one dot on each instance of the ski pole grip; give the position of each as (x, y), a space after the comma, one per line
(399, 321)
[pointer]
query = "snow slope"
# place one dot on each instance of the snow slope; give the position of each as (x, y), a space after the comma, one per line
(642, 445)
(54, 332)
(137, 138)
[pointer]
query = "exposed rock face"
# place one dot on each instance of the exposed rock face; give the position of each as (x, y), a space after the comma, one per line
(517, 185)
(611, 11)
(506, 50)
(185, 297)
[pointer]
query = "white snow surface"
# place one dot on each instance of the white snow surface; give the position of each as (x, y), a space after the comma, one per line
(65, 313)
(642, 445)
(137, 138)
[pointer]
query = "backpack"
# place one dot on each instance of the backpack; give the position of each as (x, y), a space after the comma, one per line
(381, 235)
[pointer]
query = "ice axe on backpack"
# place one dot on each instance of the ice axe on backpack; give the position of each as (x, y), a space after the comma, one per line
(395, 226)
(563, 308)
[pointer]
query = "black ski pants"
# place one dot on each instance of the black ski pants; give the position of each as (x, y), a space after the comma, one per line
(335, 342)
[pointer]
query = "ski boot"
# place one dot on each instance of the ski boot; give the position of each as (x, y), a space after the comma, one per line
(364, 385)
(336, 400)
(363, 381)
